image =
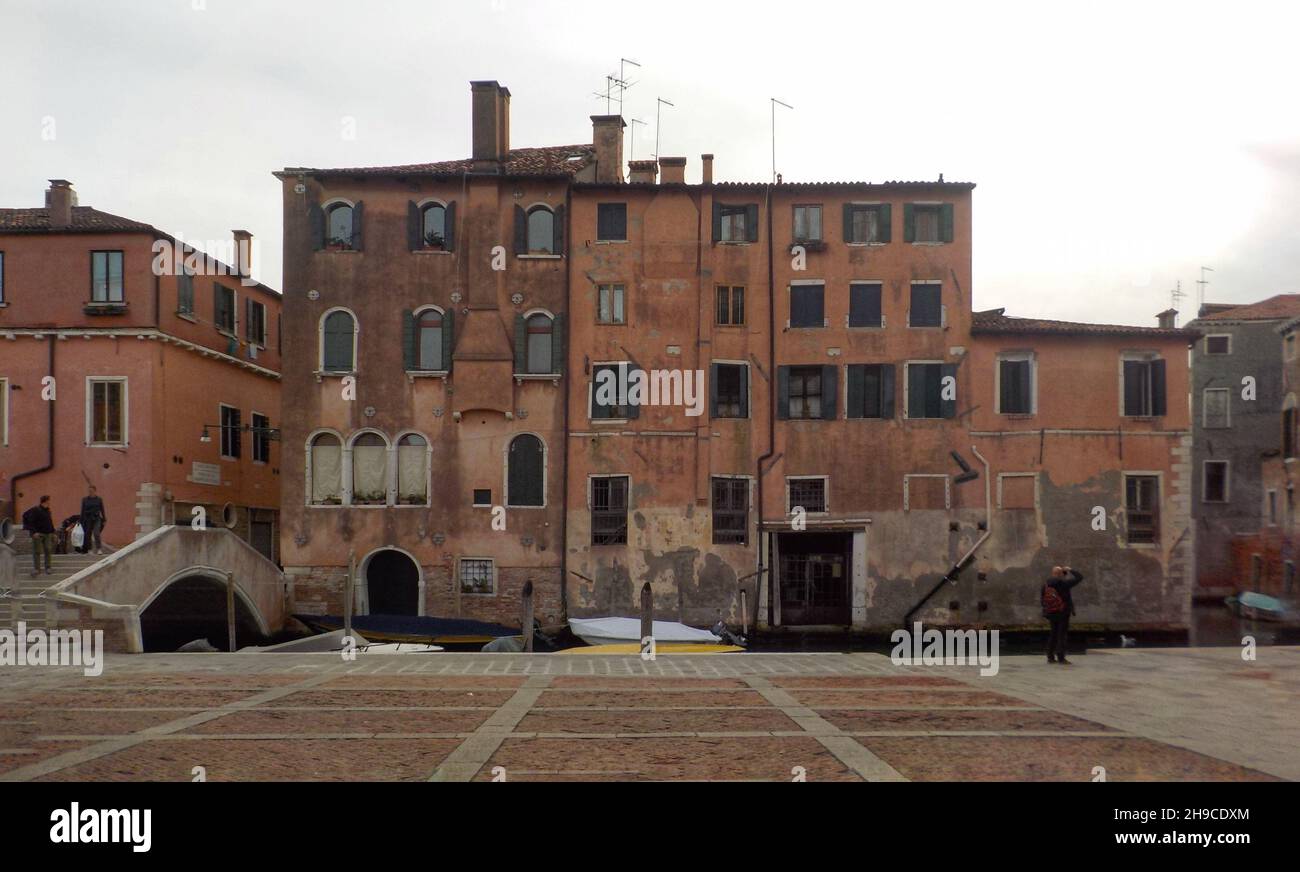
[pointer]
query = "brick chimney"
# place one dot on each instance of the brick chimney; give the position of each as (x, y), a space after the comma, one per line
(1167, 319)
(706, 170)
(607, 137)
(642, 172)
(243, 252)
(59, 200)
(672, 170)
(490, 120)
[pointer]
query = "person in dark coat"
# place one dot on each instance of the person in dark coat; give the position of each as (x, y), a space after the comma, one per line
(93, 519)
(40, 524)
(1058, 606)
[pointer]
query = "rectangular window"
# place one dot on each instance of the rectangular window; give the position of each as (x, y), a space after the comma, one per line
(1144, 386)
(927, 305)
(925, 390)
(729, 310)
(1272, 507)
(807, 305)
(230, 436)
(928, 222)
(1288, 433)
(611, 222)
(735, 223)
(610, 308)
(1215, 482)
(730, 511)
(106, 277)
(185, 292)
(730, 390)
(4, 411)
(864, 305)
(107, 411)
(223, 308)
(1216, 409)
(255, 322)
(805, 392)
(806, 493)
(261, 438)
(1016, 491)
(476, 575)
(609, 510)
(871, 390)
(482, 497)
(1142, 509)
(808, 223)
(1218, 344)
(1015, 384)
(609, 393)
(2, 276)
(866, 224)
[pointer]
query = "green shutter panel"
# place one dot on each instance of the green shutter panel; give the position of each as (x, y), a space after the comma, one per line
(410, 359)
(449, 227)
(848, 223)
(830, 392)
(557, 344)
(557, 227)
(316, 226)
(857, 390)
(414, 227)
(217, 306)
(358, 214)
(947, 408)
(783, 392)
(448, 337)
(751, 222)
(909, 230)
(521, 230)
(521, 344)
(248, 319)
(713, 390)
(887, 391)
(1158, 401)
(945, 222)
(717, 221)
(886, 223)
(633, 409)
(744, 392)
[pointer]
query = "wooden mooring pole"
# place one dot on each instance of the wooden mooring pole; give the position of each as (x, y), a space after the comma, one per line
(647, 615)
(348, 588)
(526, 616)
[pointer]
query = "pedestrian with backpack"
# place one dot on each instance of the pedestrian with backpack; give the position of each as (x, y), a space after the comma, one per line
(1058, 606)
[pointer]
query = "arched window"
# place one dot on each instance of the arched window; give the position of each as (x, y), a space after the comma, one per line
(325, 461)
(369, 470)
(541, 231)
(525, 472)
(541, 330)
(338, 342)
(429, 339)
(433, 226)
(412, 470)
(338, 226)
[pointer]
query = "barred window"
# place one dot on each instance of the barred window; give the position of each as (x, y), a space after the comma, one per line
(476, 575)
(609, 510)
(730, 511)
(808, 493)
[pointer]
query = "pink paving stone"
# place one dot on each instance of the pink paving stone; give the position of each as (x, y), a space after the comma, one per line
(652, 721)
(939, 720)
(354, 698)
(820, 699)
(600, 698)
(266, 721)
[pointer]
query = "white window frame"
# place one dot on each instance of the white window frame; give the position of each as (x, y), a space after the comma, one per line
(1227, 481)
(416, 314)
(307, 450)
(612, 287)
(390, 470)
(907, 489)
(266, 325)
(1016, 356)
(1205, 408)
(320, 342)
(907, 393)
(253, 415)
(91, 381)
(233, 332)
(539, 254)
(420, 207)
(551, 315)
(1160, 496)
(849, 297)
(1006, 475)
(943, 309)
(492, 564)
(221, 430)
(844, 231)
(505, 468)
(428, 470)
(826, 319)
(749, 392)
(1141, 357)
(826, 493)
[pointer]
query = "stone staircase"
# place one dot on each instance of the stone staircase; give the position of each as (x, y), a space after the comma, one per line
(25, 602)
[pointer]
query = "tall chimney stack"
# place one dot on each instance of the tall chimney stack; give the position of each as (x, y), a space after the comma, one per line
(706, 161)
(607, 137)
(1167, 319)
(490, 120)
(59, 200)
(642, 172)
(672, 170)
(243, 252)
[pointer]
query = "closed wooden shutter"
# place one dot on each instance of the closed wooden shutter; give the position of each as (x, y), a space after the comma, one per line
(830, 392)
(909, 227)
(414, 227)
(945, 222)
(358, 212)
(717, 221)
(886, 223)
(410, 341)
(856, 399)
(521, 230)
(449, 227)
(1158, 400)
(783, 392)
(751, 223)
(316, 226)
(557, 230)
(448, 334)
(948, 408)
(521, 344)
(557, 344)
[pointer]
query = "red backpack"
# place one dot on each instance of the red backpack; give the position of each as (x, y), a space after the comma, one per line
(1053, 602)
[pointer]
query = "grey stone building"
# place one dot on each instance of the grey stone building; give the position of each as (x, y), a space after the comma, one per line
(1238, 352)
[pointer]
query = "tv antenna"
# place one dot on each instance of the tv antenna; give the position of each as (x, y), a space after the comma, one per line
(621, 82)
(1201, 284)
(635, 122)
(659, 104)
(608, 95)
(775, 102)
(1176, 294)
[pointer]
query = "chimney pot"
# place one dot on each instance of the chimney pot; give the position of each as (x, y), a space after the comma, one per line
(642, 172)
(672, 170)
(607, 137)
(243, 252)
(59, 200)
(1167, 319)
(706, 171)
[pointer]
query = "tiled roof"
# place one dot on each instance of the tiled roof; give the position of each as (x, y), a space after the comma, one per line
(84, 220)
(1280, 306)
(551, 160)
(994, 321)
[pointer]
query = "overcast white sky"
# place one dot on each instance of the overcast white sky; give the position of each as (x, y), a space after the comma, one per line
(1116, 147)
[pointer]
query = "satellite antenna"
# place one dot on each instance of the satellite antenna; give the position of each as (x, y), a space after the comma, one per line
(661, 102)
(1201, 283)
(635, 122)
(774, 105)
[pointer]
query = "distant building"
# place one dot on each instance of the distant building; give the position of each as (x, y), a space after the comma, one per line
(161, 390)
(1266, 561)
(1237, 401)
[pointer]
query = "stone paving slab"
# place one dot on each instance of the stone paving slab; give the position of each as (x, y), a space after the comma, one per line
(1167, 714)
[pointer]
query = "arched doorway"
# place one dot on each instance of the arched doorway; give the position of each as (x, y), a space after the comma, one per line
(392, 583)
(194, 607)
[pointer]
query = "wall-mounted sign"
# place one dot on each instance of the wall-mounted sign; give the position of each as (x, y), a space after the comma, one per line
(205, 473)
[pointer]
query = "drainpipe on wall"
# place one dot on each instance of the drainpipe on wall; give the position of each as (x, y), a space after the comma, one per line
(49, 451)
(771, 416)
(564, 403)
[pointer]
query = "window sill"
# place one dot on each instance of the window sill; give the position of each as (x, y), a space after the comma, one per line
(107, 444)
(413, 374)
(328, 250)
(525, 508)
(3, 304)
(920, 242)
(808, 245)
(540, 256)
(434, 251)
(865, 327)
(608, 420)
(1141, 419)
(865, 244)
(611, 323)
(104, 308)
(478, 593)
(187, 316)
(1017, 416)
(927, 327)
(327, 373)
(730, 326)
(1142, 545)
(410, 506)
(734, 242)
(552, 377)
(610, 242)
